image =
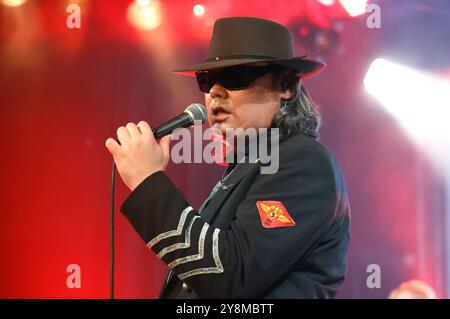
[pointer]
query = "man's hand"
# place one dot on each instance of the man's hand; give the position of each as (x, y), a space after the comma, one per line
(138, 155)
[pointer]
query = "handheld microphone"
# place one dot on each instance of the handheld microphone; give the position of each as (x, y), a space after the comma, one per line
(194, 112)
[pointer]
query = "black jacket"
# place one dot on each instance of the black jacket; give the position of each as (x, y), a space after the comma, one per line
(227, 253)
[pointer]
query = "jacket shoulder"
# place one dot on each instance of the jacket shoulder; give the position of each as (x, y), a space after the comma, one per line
(305, 154)
(305, 149)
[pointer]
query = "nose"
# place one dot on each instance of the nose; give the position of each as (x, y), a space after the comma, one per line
(218, 91)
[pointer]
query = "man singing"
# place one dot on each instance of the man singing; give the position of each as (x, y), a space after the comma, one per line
(280, 235)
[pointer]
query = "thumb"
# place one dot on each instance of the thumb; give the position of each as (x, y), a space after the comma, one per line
(164, 142)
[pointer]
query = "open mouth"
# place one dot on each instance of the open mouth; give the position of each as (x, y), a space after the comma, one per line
(220, 117)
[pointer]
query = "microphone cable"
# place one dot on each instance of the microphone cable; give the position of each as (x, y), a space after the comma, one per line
(194, 112)
(111, 238)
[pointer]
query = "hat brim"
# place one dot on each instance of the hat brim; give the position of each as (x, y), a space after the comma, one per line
(304, 67)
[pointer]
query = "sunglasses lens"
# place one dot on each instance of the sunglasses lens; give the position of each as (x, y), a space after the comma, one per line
(232, 78)
(205, 81)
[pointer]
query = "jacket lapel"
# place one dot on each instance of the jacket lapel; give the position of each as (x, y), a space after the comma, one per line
(211, 208)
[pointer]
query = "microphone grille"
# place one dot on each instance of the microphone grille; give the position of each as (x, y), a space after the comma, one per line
(198, 111)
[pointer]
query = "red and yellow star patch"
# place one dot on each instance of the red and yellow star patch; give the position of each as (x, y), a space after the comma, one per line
(273, 214)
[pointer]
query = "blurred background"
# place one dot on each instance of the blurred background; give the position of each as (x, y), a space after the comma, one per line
(66, 84)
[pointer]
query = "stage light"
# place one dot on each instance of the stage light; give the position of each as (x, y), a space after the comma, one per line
(13, 3)
(322, 41)
(143, 3)
(354, 7)
(419, 101)
(303, 31)
(145, 15)
(326, 41)
(326, 2)
(198, 10)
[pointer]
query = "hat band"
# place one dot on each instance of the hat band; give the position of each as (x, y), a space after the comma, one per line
(230, 57)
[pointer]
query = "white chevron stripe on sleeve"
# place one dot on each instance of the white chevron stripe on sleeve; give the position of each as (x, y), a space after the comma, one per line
(187, 240)
(201, 250)
(208, 270)
(172, 233)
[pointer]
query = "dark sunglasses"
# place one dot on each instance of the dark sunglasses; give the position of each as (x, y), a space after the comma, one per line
(231, 78)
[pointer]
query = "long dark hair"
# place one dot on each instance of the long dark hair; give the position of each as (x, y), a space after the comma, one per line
(298, 114)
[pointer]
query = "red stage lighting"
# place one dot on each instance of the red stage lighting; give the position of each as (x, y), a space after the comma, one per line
(145, 14)
(303, 31)
(326, 2)
(198, 10)
(13, 3)
(354, 7)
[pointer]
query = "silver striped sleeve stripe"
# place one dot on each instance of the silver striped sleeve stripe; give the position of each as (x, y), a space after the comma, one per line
(210, 270)
(172, 233)
(201, 250)
(187, 240)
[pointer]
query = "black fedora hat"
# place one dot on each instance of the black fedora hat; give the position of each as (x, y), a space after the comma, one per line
(245, 40)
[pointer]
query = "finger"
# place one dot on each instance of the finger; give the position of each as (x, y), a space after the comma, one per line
(150, 136)
(133, 130)
(112, 146)
(145, 128)
(164, 142)
(123, 135)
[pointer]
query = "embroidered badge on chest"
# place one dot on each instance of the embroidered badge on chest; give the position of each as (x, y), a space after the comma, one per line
(273, 214)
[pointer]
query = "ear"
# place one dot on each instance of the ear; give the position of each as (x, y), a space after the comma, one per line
(286, 94)
(288, 82)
